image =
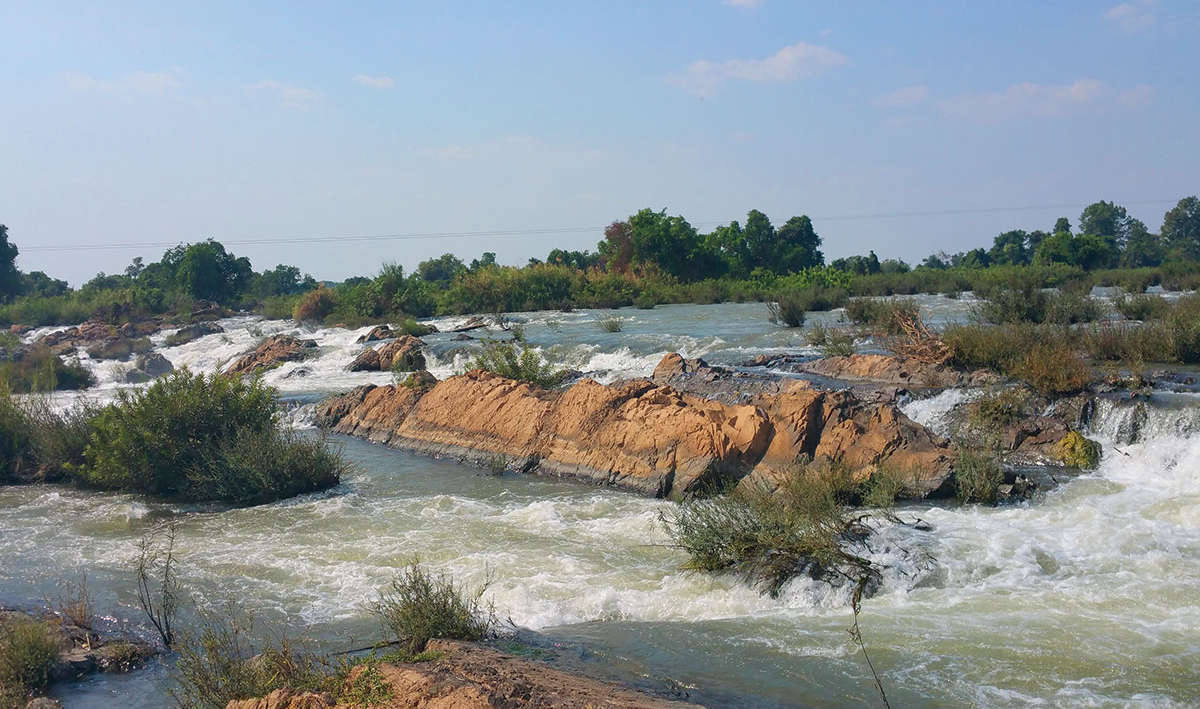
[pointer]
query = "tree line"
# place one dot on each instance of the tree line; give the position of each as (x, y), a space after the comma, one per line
(649, 254)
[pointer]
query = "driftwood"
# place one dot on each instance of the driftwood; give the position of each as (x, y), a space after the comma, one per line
(918, 341)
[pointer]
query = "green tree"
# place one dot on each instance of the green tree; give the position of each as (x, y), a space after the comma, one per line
(206, 270)
(799, 246)
(671, 243)
(1061, 225)
(440, 270)
(617, 247)
(1181, 228)
(1008, 249)
(10, 277)
(1141, 248)
(1105, 219)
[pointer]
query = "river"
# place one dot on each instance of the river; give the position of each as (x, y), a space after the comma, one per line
(1086, 596)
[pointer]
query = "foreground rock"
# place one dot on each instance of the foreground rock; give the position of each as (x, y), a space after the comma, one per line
(81, 651)
(642, 436)
(271, 353)
(471, 676)
(402, 355)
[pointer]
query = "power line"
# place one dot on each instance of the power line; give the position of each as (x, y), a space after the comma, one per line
(508, 233)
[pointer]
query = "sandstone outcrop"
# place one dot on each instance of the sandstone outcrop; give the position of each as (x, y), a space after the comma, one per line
(469, 676)
(272, 352)
(379, 332)
(403, 354)
(640, 435)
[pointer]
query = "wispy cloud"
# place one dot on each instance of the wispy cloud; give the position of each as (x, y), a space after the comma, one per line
(1132, 16)
(794, 61)
(288, 95)
(139, 82)
(374, 82)
(1028, 99)
(903, 97)
(742, 3)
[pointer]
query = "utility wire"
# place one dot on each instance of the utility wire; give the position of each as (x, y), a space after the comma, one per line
(503, 233)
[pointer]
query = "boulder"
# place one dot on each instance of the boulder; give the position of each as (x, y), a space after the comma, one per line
(19, 329)
(148, 366)
(272, 352)
(403, 355)
(643, 436)
(285, 699)
(195, 331)
(473, 323)
(119, 347)
(379, 332)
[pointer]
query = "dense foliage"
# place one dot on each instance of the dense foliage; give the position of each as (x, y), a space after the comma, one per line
(197, 437)
(649, 258)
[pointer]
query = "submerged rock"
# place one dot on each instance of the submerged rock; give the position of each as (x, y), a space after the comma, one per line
(149, 366)
(642, 436)
(272, 352)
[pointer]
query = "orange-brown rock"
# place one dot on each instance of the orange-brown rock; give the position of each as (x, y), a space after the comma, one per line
(272, 352)
(19, 329)
(641, 436)
(403, 354)
(379, 332)
(469, 676)
(898, 371)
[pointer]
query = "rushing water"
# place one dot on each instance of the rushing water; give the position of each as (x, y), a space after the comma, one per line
(1085, 597)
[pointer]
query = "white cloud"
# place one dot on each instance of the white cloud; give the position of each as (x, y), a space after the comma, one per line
(1028, 99)
(1132, 16)
(374, 82)
(288, 95)
(792, 62)
(139, 82)
(904, 96)
(742, 3)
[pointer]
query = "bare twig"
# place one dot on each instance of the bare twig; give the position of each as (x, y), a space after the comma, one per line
(157, 581)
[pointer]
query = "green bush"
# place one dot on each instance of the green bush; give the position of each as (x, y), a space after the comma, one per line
(197, 437)
(833, 341)
(39, 369)
(1142, 307)
(220, 662)
(1072, 306)
(977, 475)
(770, 537)
(523, 364)
(418, 606)
(1013, 305)
(612, 324)
(315, 305)
(37, 442)
(28, 653)
(882, 315)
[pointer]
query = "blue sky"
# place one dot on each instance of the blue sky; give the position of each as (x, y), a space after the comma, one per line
(147, 122)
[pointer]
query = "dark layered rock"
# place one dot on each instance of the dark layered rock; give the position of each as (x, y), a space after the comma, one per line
(403, 355)
(148, 367)
(190, 333)
(272, 352)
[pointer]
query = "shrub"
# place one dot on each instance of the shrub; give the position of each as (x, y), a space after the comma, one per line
(977, 475)
(645, 301)
(39, 369)
(768, 538)
(997, 348)
(315, 306)
(1026, 303)
(409, 326)
(998, 409)
(418, 606)
(882, 315)
(791, 305)
(197, 437)
(882, 488)
(220, 662)
(28, 654)
(1054, 368)
(1141, 307)
(39, 442)
(524, 365)
(1071, 306)
(612, 324)
(834, 342)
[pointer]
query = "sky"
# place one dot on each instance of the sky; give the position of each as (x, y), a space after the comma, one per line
(519, 127)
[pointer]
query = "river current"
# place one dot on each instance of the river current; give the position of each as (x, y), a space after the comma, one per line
(1086, 596)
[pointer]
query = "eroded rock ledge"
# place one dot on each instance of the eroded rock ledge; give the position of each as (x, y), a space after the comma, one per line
(643, 436)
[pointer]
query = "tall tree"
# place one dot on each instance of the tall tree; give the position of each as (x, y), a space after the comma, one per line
(799, 245)
(1008, 249)
(1061, 225)
(1141, 248)
(10, 277)
(1105, 219)
(1181, 228)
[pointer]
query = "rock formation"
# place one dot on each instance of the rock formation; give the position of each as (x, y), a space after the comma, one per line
(643, 436)
(272, 352)
(403, 355)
